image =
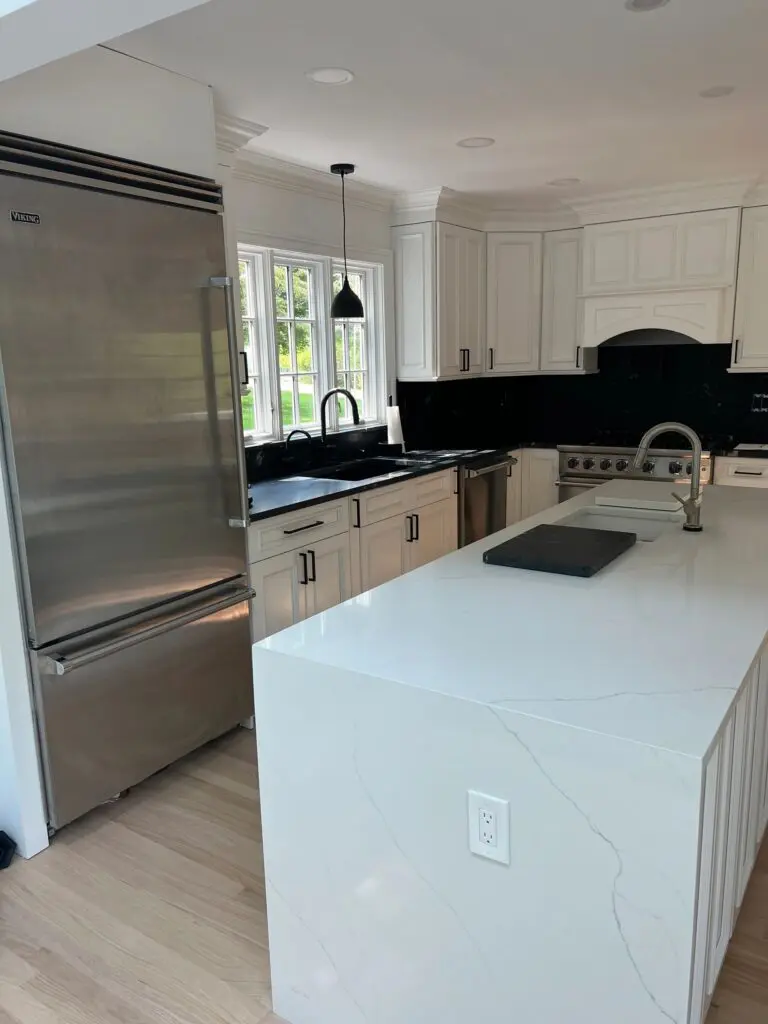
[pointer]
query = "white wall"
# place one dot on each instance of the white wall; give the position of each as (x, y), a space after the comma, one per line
(105, 101)
(22, 813)
(35, 32)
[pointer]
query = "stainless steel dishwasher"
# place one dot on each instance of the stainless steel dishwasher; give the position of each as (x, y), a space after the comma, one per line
(483, 497)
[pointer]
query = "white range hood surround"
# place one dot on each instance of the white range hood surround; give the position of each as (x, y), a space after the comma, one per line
(706, 315)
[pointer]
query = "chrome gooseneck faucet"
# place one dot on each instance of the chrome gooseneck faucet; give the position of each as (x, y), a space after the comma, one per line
(691, 504)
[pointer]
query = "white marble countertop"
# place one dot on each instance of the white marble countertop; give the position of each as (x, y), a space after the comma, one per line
(653, 649)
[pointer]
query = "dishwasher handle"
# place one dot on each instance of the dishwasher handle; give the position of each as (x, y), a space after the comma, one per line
(495, 468)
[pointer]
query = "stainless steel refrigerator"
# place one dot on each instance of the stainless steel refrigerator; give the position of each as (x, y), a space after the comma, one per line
(124, 464)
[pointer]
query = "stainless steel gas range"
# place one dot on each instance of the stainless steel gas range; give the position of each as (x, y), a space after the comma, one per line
(584, 468)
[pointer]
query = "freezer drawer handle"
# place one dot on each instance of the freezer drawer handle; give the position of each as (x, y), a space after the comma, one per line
(51, 665)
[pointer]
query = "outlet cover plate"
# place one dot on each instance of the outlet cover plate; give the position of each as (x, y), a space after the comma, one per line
(476, 803)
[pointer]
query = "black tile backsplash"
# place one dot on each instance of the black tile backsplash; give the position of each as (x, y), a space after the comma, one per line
(635, 388)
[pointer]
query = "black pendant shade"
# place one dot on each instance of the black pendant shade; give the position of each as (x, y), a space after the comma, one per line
(346, 303)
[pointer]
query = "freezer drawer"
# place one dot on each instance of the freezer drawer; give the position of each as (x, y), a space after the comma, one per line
(114, 712)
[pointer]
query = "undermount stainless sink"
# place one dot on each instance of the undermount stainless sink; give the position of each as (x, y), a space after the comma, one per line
(649, 525)
(364, 469)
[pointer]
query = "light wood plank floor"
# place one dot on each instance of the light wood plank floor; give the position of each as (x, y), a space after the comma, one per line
(151, 911)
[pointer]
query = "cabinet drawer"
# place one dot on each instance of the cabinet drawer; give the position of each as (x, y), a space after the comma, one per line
(735, 472)
(434, 487)
(294, 529)
(383, 503)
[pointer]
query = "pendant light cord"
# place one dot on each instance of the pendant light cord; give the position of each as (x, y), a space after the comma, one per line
(344, 225)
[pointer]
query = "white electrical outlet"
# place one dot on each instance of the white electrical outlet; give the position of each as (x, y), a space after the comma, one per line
(488, 826)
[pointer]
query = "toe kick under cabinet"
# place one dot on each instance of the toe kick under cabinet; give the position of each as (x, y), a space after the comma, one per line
(306, 561)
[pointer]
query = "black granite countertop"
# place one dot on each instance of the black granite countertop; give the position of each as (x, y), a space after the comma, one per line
(272, 497)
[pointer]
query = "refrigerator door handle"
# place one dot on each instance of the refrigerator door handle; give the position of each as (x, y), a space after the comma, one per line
(61, 666)
(227, 286)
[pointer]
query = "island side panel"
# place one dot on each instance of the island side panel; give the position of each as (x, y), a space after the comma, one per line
(378, 911)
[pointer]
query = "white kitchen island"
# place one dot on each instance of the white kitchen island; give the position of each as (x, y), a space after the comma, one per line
(622, 717)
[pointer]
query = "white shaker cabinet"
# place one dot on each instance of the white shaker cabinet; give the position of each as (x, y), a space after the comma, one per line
(514, 302)
(382, 552)
(561, 314)
(433, 532)
(539, 480)
(280, 599)
(684, 251)
(329, 574)
(750, 346)
(440, 287)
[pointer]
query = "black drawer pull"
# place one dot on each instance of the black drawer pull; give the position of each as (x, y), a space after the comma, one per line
(309, 526)
(416, 521)
(409, 520)
(356, 503)
(312, 577)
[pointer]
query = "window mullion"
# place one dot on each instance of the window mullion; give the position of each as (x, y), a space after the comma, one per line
(326, 364)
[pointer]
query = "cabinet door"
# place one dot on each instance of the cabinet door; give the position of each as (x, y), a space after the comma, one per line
(750, 349)
(540, 467)
(474, 300)
(607, 259)
(414, 252)
(460, 300)
(450, 286)
(382, 552)
(514, 302)
(329, 573)
(280, 595)
(515, 489)
(434, 531)
(560, 322)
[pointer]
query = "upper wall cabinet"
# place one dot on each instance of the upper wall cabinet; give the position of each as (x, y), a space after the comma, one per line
(514, 302)
(750, 346)
(439, 301)
(562, 311)
(693, 250)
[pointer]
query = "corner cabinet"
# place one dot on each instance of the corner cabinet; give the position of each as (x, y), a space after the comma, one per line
(514, 302)
(750, 346)
(562, 314)
(440, 290)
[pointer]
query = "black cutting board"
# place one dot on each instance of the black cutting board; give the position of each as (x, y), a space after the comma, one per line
(568, 550)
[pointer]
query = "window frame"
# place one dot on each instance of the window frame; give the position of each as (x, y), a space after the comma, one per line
(264, 345)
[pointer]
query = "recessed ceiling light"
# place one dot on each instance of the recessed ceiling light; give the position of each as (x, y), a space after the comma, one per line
(476, 142)
(330, 76)
(641, 6)
(564, 182)
(714, 92)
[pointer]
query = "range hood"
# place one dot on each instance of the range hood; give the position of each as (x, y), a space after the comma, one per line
(679, 317)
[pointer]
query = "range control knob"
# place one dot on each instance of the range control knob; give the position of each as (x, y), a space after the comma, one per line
(589, 463)
(675, 467)
(605, 464)
(622, 465)
(648, 467)
(689, 469)
(573, 463)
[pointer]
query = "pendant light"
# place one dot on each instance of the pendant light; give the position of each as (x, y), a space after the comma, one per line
(346, 303)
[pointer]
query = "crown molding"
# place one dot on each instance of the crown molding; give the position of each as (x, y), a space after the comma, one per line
(232, 133)
(560, 218)
(684, 197)
(443, 204)
(267, 170)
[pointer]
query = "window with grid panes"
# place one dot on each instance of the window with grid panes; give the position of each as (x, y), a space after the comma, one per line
(297, 352)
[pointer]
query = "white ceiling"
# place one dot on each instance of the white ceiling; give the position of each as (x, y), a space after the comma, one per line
(568, 88)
